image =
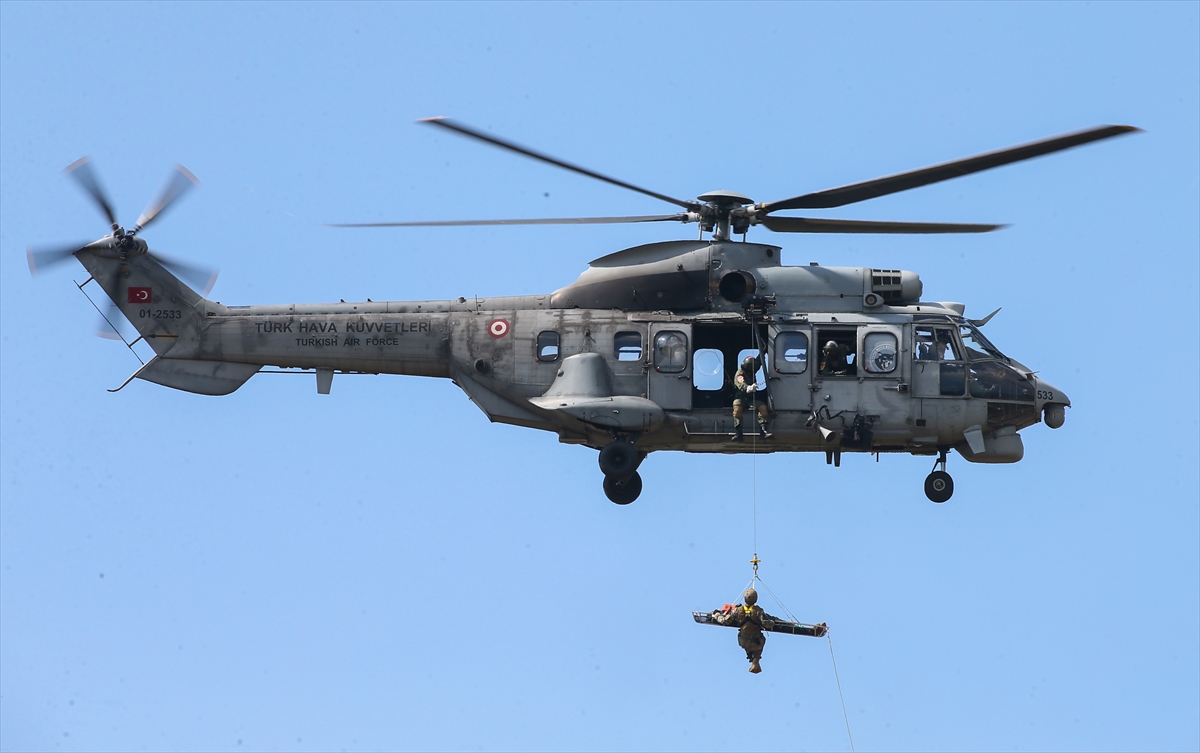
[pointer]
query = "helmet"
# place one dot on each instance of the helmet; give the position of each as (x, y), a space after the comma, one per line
(830, 348)
(750, 597)
(748, 362)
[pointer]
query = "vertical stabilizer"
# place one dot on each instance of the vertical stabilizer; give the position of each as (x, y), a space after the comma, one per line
(166, 312)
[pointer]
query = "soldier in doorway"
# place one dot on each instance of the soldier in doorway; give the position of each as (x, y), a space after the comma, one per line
(834, 360)
(750, 620)
(746, 383)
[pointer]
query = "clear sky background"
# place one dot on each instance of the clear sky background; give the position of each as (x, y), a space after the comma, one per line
(381, 568)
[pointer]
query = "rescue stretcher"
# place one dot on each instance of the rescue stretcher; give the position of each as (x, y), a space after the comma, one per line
(780, 626)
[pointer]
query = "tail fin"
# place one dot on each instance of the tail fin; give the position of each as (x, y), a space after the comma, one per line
(167, 313)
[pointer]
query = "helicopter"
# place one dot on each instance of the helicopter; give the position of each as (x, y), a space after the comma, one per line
(638, 354)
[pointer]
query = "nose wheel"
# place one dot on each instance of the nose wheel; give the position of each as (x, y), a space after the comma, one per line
(939, 487)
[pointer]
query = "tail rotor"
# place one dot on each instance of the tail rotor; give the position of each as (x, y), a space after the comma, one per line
(121, 244)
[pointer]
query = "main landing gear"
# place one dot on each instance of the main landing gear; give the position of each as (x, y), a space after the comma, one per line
(939, 487)
(619, 462)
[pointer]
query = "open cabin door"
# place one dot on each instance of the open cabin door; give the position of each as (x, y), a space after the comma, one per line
(669, 370)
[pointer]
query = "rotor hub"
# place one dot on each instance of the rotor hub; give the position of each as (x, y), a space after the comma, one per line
(722, 213)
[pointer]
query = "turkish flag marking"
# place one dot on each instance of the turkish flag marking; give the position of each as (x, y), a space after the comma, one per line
(141, 295)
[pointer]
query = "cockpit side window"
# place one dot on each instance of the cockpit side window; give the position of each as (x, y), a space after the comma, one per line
(992, 380)
(934, 344)
(977, 345)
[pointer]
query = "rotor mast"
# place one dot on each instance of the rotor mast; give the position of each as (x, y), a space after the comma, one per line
(723, 212)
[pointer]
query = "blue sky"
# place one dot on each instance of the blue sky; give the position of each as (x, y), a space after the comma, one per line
(381, 568)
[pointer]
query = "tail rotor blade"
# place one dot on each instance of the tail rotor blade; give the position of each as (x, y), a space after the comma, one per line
(201, 278)
(178, 183)
(81, 170)
(110, 320)
(42, 259)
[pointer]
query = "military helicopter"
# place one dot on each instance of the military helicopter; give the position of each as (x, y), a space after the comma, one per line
(638, 354)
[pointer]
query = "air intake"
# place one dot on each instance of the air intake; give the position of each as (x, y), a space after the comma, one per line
(886, 282)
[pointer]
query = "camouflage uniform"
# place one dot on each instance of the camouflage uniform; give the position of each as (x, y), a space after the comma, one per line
(742, 382)
(750, 621)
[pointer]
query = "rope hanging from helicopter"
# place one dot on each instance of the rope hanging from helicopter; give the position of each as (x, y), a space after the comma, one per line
(760, 347)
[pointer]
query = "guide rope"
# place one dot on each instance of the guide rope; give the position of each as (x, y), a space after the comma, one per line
(840, 696)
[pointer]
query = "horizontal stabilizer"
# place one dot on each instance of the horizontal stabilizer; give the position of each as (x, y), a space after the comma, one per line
(200, 377)
(777, 626)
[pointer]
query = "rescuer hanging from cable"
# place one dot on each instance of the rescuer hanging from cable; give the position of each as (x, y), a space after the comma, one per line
(750, 620)
(746, 383)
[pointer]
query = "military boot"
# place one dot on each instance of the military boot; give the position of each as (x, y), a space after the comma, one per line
(737, 433)
(754, 668)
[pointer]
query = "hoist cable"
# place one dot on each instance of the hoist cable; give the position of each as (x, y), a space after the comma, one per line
(754, 444)
(755, 578)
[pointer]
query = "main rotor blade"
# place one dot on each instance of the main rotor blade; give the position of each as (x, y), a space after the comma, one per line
(43, 259)
(681, 217)
(81, 170)
(855, 192)
(178, 183)
(467, 131)
(201, 278)
(808, 225)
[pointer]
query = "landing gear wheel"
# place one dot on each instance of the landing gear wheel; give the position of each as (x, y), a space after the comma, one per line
(623, 490)
(618, 459)
(939, 487)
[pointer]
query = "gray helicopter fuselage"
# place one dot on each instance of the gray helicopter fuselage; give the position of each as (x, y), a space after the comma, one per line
(642, 347)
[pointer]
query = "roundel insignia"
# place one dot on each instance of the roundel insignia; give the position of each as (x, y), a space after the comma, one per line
(498, 328)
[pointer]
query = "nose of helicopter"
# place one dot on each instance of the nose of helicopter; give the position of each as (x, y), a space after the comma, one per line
(1052, 402)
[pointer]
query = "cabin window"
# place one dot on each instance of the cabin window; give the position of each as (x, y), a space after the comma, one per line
(547, 347)
(879, 352)
(760, 376)
(627, 346)
(791, 352)
(838, 348)
(670, 352)
(708, 369)
(934, 344)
